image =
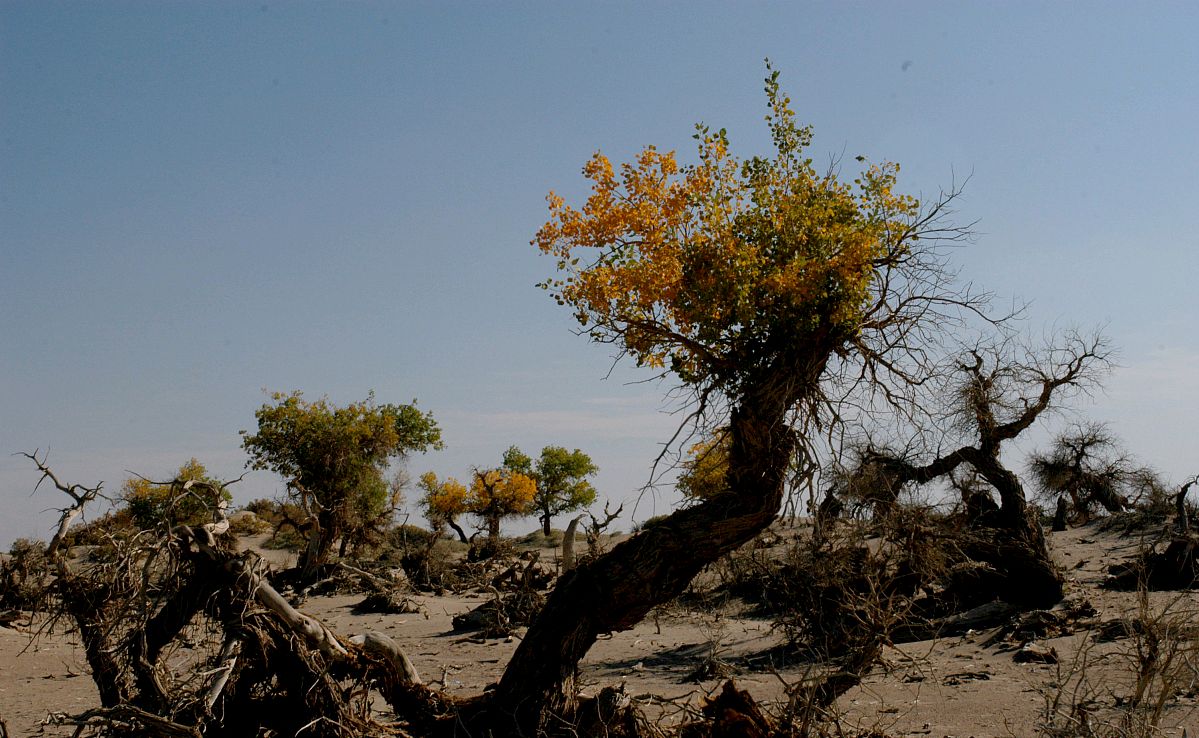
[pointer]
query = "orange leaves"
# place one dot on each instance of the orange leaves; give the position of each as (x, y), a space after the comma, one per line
(492, 493)
(443, 500)
(696, 264)
(502, 491)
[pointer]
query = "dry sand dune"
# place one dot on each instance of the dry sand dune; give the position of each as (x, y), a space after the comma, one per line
(950, 687)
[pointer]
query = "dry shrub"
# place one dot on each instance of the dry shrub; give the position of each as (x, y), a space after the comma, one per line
(538, 539)
(99, 532)
(845, 588)
(503, 614)
(516, 599)
(247, 523)
(1134, 690)
(1175, 567)
(487, 549)
(25, 576)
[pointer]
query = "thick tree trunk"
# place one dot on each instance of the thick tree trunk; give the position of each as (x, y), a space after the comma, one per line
(321, 535)
(616, 591)
(1014, 543)
(458, 529)
(545, 524)
(1060, 515)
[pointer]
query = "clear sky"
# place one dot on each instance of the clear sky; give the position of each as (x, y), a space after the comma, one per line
(199, 201)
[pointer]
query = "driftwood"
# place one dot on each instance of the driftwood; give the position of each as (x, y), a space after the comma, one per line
(989, 615)
(1175, 568)
(273, 666)
(568, 544)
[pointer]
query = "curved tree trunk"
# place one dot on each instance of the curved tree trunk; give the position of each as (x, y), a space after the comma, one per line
(458, 529)
(616, 591)
(321, 535)
(1018, 547)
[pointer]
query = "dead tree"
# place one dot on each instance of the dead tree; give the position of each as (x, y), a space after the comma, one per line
(264, 664)
(1086, 466)
(1181, 514)
(1000, 394)
(568, 543)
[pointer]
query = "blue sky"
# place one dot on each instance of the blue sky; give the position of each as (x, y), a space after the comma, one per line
(199, 201)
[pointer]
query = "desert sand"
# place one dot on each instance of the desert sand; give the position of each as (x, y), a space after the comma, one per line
(957, 686)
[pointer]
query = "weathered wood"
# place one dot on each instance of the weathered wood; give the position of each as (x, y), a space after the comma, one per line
(617, 590)
(568, 544)
(381, 645)
(989, 615)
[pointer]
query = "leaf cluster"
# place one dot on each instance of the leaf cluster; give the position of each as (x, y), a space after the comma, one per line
(334, 457)
(714, 267)
(152, 504)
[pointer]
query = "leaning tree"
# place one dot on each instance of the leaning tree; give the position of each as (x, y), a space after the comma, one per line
(993, 393)
(757, 285)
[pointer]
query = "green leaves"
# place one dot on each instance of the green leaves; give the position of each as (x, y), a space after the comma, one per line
(333, 458)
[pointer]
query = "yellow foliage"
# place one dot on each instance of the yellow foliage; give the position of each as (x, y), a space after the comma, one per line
(493, 494)
(704, 471)
(152, 503)
(695, 265)
(503, 492)
(443, 500)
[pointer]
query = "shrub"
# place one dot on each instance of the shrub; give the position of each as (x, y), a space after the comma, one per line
(25, 576)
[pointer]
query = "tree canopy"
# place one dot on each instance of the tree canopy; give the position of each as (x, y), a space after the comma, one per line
(151, 503)
(494, 494)
(561, 478)
(334, 458)
(1087, 465)
(712, 268)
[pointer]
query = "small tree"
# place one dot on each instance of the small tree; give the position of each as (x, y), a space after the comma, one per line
(443, 503)
(704, 472)
(151, 504)
(333, 459)
(1087, 466)
(496, 494)
(562, 485)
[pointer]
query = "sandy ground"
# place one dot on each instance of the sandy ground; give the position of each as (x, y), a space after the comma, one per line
(952, 687)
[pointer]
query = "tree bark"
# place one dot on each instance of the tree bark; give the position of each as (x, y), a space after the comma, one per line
(568, 544)
(545, 524)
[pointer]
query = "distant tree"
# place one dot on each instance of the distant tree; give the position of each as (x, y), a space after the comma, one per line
(562, 485)
(704, 471)
(444, 502)
(499, 493)
(151, 504)
(1087, 466)
(334, 459)
(494, 494)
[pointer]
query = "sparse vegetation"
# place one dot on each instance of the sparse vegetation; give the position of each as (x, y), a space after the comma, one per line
(797, 313)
